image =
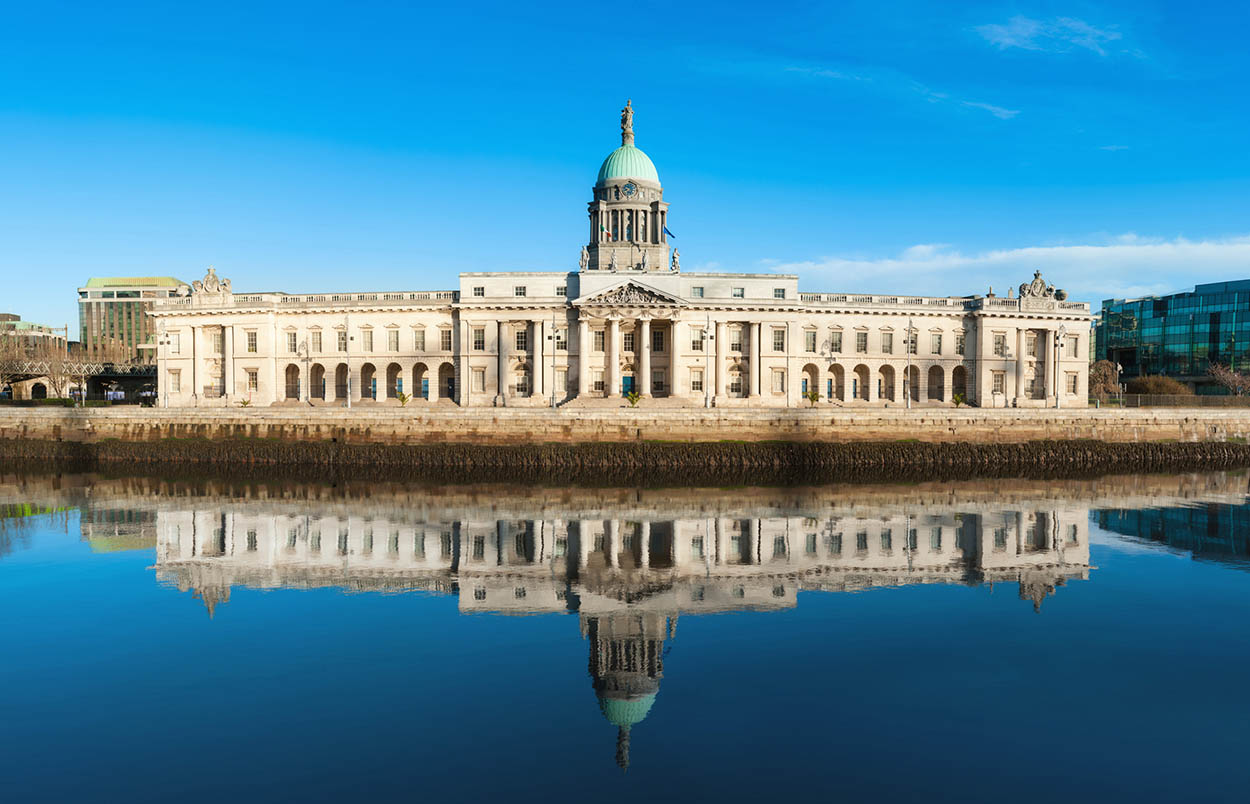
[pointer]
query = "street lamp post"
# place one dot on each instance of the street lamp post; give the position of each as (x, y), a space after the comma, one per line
(162, 389)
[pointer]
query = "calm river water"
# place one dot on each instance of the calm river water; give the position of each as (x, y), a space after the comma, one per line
(996, 640)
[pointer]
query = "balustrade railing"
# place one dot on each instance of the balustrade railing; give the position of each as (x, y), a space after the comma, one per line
(337, 299)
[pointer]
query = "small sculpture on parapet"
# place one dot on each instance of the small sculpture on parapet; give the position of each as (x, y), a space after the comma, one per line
(675, 265)
(584, 260)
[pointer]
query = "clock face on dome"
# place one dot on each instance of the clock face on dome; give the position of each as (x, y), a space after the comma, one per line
(629, 189)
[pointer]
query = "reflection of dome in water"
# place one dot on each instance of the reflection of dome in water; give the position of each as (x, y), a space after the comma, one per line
(626, 665)
(626, 713)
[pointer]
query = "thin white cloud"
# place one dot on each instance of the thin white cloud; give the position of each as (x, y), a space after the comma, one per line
(1113, 147)
(1058, 35)
(997, 111)
(1123, 266)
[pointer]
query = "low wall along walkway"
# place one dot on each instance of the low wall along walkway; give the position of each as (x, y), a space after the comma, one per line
(537, 426)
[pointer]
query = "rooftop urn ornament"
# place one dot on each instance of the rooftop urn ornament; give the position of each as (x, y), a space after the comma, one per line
(627, 123)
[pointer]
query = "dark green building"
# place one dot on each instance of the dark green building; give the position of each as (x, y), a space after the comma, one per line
(1178, 335)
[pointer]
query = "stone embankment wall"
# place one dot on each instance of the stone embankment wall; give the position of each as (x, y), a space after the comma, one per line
(415, 426)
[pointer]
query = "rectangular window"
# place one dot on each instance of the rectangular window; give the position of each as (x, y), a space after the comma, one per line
(562, 339)
(627, 339)
(562, 381)
(418, 340)
(479, 291)
(1000, 345)
(479, 380)
(658, 379)
(217, 340)
(316, 341)
(444, 340)
(342, 340)
(479, 339)
(861, 542)
(444, 544)
(596, 340)
(961, 343)
(291, 344)
(596, 380)
(779, 293)
(887, 343)
(1030, 344)
(739, 293)
(696, 293)
(835, 342)
(366, 340)
(519, 290)
(522, 340)
(251, 341)
(887, 540)
(735, 383)
(779, 381)
(779, 340)
(657, 340)
(935, 540)
(562, 290)
(175, 382)
(251, 541)
(696, 379)
(935, 344)
(175, 343)
(696, 340)
(809, 341)
(392, 340)
(999, 382)
(861, 342)
(735, 339)
(1071, 378)
(1073, 344)
(253, 382)
(696, 547)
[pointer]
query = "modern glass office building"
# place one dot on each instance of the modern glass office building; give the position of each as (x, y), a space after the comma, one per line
(113, 315)
(1178, 335)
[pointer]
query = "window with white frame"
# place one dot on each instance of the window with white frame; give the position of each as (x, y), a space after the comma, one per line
(627, 341)
(596, 340)
(887, 343)
(696, 379)
(1073, 345)
(999, 382)
(935, 343)
(658, 381)
(779, 381)
(809, 341)
(253, 380)
(735, 339)
(479, 291)
(292, 344)
(657, 340)
(1030, 344)
(444, 340)
(342, 340)
(779, 340)
(779, 293)
(175, 342)
(1072, 380)
(418, 341)
(1000, 345)
(316, 341)
(366, 340)
(562, 290)
(861, 342)
(562, 339)
(217, 340)
(697, 336)
(392, 340)
(519, 290)
(739, 293)
(562, 381)
(479, 339)
(696, 292)
(250, 337)
(479, 380)
(961, 343)
(835, 342)
(522, 339)
(596, 380)
(175, 381)
(735, 383)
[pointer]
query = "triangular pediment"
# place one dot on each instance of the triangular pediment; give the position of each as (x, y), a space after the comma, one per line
(632, 293)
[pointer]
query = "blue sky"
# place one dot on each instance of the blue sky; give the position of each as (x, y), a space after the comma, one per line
(925, 147)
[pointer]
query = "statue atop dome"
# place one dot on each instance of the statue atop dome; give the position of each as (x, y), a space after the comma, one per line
(627, 123)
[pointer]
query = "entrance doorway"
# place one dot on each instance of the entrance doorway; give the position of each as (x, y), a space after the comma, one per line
(627, 385)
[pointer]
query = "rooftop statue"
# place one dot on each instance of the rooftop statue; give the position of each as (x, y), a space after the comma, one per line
(584, 260)
(627, 123)
(211, 283)
(675, 267)
(1039, 289)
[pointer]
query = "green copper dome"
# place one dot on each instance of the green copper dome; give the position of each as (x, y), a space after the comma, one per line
(628, 162)
(626, 713)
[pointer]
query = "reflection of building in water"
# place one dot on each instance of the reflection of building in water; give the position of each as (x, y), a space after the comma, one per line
(1212, 531)
(628, 577)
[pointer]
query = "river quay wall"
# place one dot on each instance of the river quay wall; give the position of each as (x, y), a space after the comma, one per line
(416, 426)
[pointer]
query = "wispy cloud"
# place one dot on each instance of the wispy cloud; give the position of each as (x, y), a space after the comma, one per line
(1113, 147)
(997, 111)
(1057, 35)
(825, 72)
(1126, 265)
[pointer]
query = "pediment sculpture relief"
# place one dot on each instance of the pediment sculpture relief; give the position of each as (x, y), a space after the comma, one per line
(627, 295)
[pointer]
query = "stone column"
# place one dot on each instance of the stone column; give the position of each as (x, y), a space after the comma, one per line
(719, 370)
(227, 359)
(195, 362)
(501, 345)
(644, 352)
(1048, 354)
(753, 541)
(757, 354)
(583, 355)
(540, 375)
(1020, 363)
(645, 548)
(614, 357)
(722, 542)
(791, 380)
(614, 543)
(677, 336)
(463, 373)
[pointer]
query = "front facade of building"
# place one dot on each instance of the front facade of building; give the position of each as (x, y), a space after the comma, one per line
(627, 321)
(113, 316)
(1178, 335)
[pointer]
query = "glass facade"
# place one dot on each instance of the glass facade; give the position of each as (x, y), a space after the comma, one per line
(113, 320)
(1178, 335)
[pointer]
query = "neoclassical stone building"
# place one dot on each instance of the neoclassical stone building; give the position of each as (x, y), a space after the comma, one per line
(627, 321)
